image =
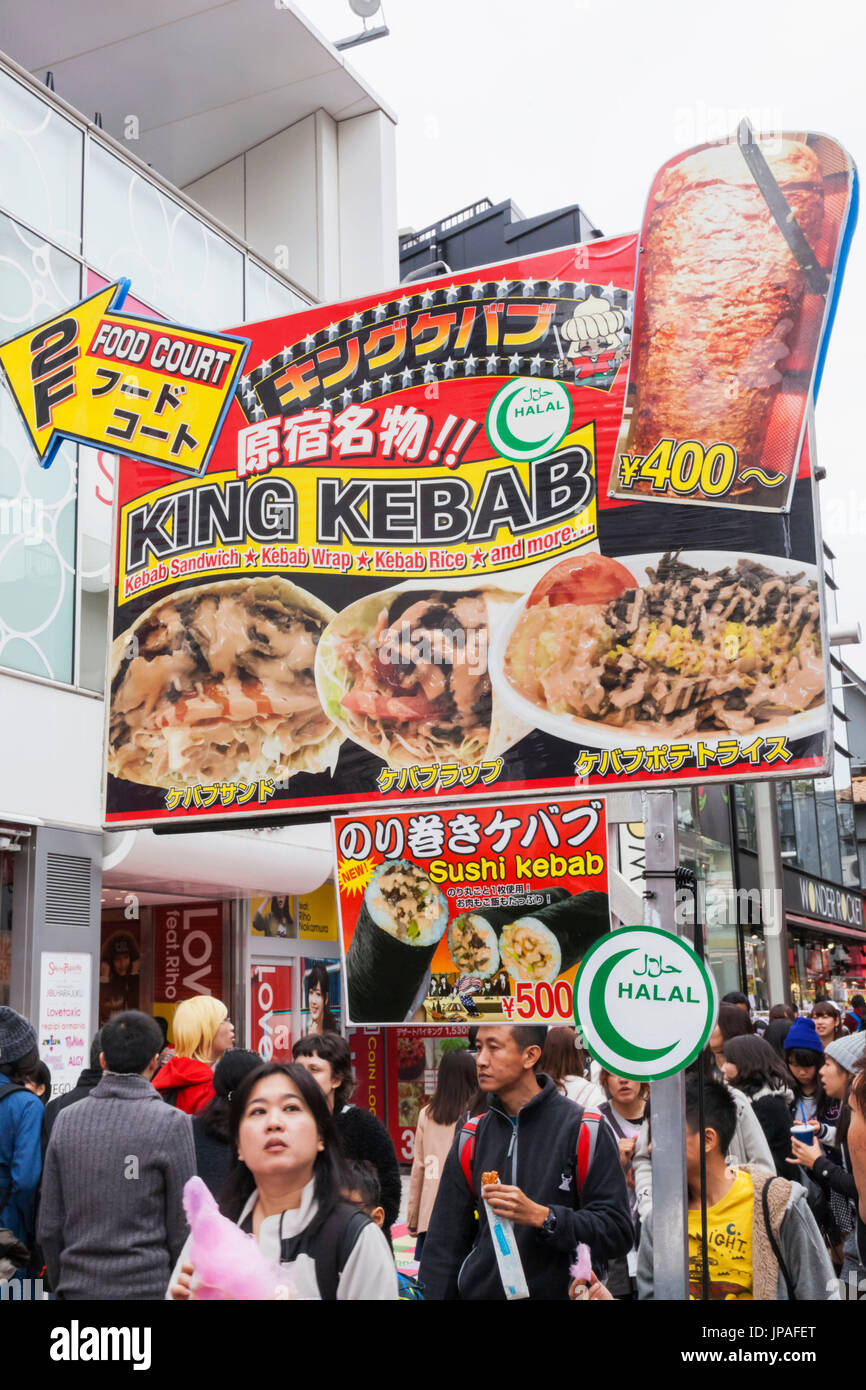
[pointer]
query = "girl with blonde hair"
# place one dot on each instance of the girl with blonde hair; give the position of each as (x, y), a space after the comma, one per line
(202, 1032)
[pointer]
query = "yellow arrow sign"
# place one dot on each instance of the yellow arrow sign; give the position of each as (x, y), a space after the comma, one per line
(133, 385)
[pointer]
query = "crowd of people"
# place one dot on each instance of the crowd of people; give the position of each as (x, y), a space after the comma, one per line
(532, 1172)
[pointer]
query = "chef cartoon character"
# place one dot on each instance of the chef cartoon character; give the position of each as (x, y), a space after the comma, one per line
(593, 333)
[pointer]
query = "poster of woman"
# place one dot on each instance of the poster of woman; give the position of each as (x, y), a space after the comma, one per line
(322, 989)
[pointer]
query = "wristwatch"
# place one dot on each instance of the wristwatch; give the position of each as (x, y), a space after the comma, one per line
(548, 1225)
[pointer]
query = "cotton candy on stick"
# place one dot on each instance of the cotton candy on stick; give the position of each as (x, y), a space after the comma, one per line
(581, 1271)
(228, 1263)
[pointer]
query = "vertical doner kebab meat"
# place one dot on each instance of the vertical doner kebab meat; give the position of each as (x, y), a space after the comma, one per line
(719, 296)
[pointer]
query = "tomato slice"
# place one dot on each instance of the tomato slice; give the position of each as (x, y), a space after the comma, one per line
(582, 579)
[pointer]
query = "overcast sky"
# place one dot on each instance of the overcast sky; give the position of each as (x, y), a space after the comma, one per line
(580, 101)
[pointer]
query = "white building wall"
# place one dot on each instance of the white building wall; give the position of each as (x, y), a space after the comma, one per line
(52, 761)
(369, 258)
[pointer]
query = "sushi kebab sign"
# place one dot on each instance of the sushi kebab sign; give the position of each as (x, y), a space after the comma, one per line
(536, 529)
(469, 914)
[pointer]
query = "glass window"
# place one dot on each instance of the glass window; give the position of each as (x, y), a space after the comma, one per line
(828, 837)
(744, 807)
(40, 164)
(175, 262)
(96, 473)
(806, 827)
(37, 505)
(785, 813)
(267, 297)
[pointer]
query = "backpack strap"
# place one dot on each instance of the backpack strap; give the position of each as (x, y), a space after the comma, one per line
(331, 1247)
(774, 1244)
(466, 1148)
(587, 1143)
(8, 1087)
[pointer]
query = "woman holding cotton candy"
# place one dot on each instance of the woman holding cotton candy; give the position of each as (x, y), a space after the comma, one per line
(284, 1189)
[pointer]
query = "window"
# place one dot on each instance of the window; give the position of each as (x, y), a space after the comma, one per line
(267, 297)
(175, 262)
(37, 505)
(40, 164)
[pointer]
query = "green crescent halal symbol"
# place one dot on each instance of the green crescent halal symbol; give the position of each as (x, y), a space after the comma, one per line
(501, 433)
(606, 1031)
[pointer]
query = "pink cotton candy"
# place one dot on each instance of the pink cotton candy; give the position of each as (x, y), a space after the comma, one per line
(582, 1267)
(228, 1264)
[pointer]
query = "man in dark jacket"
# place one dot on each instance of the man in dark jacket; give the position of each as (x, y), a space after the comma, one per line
(87, 1079)
(528, 1136)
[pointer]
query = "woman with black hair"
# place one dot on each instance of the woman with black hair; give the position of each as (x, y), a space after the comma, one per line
(285, 1188)
(317, 987)
(210, 1127)
(804, 1055)
(752, 1066)
(327, 1058)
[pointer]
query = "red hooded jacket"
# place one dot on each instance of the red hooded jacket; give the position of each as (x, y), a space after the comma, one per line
(191, 1081)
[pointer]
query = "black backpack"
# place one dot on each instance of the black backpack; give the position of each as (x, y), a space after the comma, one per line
(330, 1246)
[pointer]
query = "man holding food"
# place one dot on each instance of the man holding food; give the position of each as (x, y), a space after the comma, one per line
(521, 1160)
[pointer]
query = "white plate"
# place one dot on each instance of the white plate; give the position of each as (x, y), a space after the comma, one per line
(592, 733)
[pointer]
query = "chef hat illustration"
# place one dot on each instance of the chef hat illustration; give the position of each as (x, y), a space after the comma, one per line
(593, 320)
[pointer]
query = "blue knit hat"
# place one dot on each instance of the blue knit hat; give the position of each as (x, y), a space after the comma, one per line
(803, 1033)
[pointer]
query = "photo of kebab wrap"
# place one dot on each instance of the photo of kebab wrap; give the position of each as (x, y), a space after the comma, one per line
(215, 683)
(728, 642)
(545, 943)
(404, 674)
(400, 923)
(718, 295)
(473, 937)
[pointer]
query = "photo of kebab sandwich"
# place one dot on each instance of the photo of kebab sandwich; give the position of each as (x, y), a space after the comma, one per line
(215, 683)
(719, 306)
(404, 673)
(725, 643)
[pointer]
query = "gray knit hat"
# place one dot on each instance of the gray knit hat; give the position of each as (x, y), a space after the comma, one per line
(847, 1052)
(17, 1036)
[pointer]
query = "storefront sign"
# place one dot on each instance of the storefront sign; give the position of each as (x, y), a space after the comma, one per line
(644, 1002)
(187, 952)
(810, 897)
(64, 1016)
(367, 1047)
(119, 381)
(470, 915)
(271, 1012)
(317, 914)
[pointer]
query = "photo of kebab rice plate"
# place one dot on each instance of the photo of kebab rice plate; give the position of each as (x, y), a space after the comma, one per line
(215, 683)
(665, 648)
(404, 673)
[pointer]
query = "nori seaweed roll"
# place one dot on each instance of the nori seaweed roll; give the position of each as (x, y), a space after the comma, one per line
(545, 943)
(399, 926)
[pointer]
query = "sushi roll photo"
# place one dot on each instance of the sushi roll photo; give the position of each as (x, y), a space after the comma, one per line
(473, 937)
(401, 921)
(544, 944)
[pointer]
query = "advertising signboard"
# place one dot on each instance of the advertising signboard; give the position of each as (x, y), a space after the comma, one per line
(187, 954)
(414, 1055)
(271, 1011)
(421, 556)
(64, 1016)
(463, 915)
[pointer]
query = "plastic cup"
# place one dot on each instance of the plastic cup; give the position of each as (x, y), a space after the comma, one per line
(804, 1133)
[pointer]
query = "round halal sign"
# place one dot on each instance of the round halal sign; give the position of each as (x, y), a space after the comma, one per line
(528, 418)
(644, 1002)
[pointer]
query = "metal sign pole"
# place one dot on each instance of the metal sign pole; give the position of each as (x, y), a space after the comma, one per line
(667, 1115)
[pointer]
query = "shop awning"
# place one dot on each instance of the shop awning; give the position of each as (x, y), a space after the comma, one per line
(220, 864)
(826, 928)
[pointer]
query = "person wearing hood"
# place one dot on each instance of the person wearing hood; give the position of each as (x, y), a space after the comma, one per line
(202, 1032)
(753, 1067)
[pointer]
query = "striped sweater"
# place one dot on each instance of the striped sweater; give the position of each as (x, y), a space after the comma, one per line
(111, 1220)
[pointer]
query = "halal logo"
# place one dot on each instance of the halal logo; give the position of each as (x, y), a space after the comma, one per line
(527, 419)
(644, 1002)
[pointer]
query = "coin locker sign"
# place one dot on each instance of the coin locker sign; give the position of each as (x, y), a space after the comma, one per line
(115, 381)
